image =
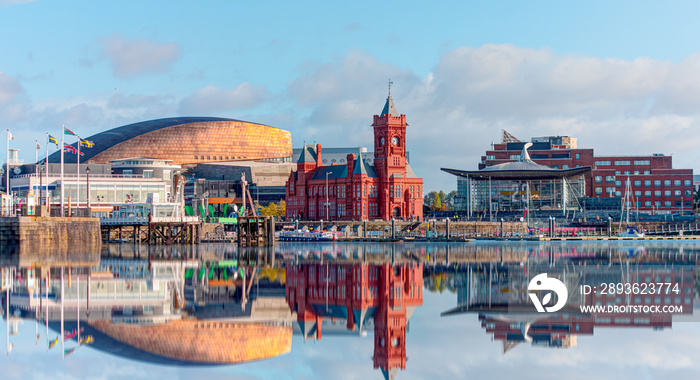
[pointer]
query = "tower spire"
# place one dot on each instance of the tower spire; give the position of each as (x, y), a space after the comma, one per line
(390, 83)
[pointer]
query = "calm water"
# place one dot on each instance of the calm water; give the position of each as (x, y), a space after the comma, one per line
(449, 311)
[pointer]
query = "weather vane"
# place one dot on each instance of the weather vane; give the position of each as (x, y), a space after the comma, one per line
(390, 83)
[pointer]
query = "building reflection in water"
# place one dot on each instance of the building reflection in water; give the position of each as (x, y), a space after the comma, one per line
(136, 309)
(498, 294)
(206, 305)
(334, 296)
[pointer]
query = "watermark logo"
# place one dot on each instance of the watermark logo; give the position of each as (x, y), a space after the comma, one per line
(543, 283)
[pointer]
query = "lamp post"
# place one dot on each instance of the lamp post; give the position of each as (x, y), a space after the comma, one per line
(327, 216)
(87, 174)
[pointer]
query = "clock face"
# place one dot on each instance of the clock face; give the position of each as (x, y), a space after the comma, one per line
(395, 140)
(381, 141)
(17, 170)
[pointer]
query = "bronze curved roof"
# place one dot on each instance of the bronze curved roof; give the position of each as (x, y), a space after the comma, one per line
(182, 134)
(201, 342)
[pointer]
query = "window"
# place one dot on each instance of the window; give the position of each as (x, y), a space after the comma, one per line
(598, 179)
(618, 193)
(677, 182)
(667, 193)
(555, 166)
(647, 183)
(618, 183)
(609, 178)
(677, 193)
(627, 172)
(642, 163)
(647, 172)
(622, 163)
(148, 174)
(565, 166)
(667, 182)
(602, 163)
(667, 204)
(599, 190)
(578, 156)
(637, 193)
(637, 183)
(686, 182)
(617, 172)
(687, 193)
(657, 193)
(636, 172)
(647, 193)
(657, 203)
(127, 172)
(647, 203)
(657, 182)
(514, 156)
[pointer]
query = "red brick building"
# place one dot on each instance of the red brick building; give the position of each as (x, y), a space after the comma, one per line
(386, 189)
(656, 186)
(358, 295)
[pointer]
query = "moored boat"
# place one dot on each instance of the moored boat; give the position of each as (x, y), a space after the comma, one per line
(307, 236)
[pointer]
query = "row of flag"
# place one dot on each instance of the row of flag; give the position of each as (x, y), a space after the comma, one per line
(66, 148)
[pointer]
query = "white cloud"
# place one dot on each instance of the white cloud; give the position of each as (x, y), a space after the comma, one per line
(615, 106)
(215, 99)
(130, 58)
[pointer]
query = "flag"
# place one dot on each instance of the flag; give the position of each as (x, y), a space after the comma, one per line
(9, 136)
(86, 143)
(69, 149)
(53, 343)
(69, 351)
(38, 146)
(53, 140)
(69, 132)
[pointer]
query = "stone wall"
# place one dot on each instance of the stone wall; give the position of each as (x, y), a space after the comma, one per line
(49, 235)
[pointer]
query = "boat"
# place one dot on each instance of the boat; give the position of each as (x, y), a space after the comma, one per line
(631, 231)
(307, 236)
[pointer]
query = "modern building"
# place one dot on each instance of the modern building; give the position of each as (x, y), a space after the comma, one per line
(265, 180)
(358, 295)
(136, 179)
(520, 186)
(655, 185)
(186, 140)
(354, 190)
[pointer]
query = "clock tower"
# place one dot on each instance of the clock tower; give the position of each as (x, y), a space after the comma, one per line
(390, 162)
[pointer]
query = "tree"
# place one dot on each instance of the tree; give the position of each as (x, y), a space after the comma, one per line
(437, 205)
(273, 209)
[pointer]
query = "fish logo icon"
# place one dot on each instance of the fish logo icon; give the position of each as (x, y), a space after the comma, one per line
(543, 283)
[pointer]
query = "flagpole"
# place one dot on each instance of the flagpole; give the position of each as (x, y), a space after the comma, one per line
(46, 163)
(77, 170)
(7, 175)
(62, 186)
(36, 160)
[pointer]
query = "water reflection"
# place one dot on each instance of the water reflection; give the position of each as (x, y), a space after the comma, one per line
(216, 304)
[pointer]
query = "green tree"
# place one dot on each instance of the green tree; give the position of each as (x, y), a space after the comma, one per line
(437, 205)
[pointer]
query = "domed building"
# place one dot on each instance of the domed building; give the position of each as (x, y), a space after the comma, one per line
(185, 140)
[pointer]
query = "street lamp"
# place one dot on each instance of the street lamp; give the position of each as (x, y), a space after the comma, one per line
(87, 174)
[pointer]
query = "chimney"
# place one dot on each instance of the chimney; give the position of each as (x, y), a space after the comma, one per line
(351, 163)
(318, 155)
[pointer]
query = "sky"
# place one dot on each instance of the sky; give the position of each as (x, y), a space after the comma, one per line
(622, 77)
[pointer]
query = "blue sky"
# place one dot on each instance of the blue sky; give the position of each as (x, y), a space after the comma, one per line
(623, 77)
